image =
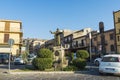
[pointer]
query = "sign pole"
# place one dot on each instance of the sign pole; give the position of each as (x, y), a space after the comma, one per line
(10, 43)
(9, 59)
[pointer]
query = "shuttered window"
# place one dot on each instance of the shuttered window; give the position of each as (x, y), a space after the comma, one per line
(7, 26)
(6, 38)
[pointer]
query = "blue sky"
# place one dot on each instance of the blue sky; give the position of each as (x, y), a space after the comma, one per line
(40, 16)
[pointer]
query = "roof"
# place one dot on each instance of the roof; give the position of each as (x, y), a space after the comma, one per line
(5, 20)
(116, 11)
(112, 55)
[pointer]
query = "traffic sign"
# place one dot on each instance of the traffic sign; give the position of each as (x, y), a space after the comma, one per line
(10, 42)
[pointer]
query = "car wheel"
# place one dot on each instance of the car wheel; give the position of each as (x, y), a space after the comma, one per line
(101, 73)
(97, 63)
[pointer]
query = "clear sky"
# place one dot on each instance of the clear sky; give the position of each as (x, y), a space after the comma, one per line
(40, 16)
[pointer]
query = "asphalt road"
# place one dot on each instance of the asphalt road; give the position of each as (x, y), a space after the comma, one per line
(91, 74)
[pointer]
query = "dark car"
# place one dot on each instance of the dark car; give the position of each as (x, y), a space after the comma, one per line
(4, 58)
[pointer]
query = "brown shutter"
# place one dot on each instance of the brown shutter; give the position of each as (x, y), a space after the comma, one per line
(6, 38)
(7, 26)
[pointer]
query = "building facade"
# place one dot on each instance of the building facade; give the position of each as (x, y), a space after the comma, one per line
(80, 40)
(10, 29)
(76, 40)
(117, 29)
(33, 45)
(109, 42)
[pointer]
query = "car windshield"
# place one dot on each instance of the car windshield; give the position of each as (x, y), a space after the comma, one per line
(110, 59)
(4, 56)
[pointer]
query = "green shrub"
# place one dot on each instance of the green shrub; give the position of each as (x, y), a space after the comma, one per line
(70, 68)
(79, 63)
(42, 63)
(45, 53)
(83, 54)
(71, 55)
(43, 60)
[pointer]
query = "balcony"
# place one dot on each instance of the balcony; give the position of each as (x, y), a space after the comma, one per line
(99, 43)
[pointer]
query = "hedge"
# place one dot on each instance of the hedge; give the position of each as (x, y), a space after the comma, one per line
(83, 54)
(79, 63)
(45, 53)
(42, 63)
(70, 68)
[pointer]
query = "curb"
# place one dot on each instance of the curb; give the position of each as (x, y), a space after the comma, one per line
(54, 72)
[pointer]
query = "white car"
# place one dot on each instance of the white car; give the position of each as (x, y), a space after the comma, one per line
(31, 57)
(110, 64)
(19, 60)
(97, 61)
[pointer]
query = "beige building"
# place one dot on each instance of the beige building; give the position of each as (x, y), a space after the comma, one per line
(10, 29)
(76, 38)
(32, 45)
(117, 29)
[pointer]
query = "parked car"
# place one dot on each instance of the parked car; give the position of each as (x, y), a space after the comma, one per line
(4, 58)
(19, 60)
(110, 64)
(97, 61)
(31, 57)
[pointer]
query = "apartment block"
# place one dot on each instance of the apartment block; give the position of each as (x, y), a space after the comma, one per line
(10, 29)
(76, 39)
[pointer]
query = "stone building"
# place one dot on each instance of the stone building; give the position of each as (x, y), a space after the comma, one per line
(116, 16)
(109, 42)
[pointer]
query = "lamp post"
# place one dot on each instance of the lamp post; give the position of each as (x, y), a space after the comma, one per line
(90, 46)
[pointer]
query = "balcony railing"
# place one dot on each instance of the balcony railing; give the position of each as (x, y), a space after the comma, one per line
(99, 43)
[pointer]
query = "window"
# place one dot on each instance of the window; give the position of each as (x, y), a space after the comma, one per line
(82, 42)
(6, 38)
(118, 20)
(110, 59)
(65, 39)
(7, 26)
(76, 43)
(95, 38)
(112, 48)
(119, 31)
(118, 38)
(69, 38)
(111, 36)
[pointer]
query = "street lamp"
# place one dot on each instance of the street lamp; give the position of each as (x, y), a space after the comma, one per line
(90, 46)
